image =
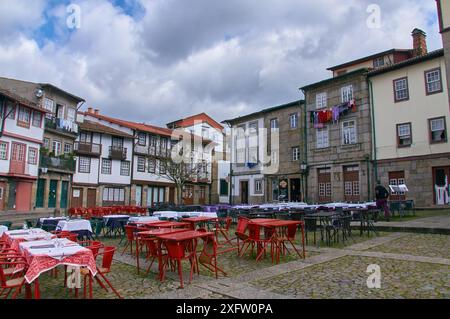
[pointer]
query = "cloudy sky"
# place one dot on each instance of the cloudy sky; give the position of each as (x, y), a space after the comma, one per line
(156, 61)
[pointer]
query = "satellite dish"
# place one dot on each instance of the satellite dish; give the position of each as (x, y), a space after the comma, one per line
(39, 93)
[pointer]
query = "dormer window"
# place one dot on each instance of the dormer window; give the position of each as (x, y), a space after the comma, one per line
(378, 62)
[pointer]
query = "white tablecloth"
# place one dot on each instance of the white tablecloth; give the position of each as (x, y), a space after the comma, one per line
(28, 234)
(3, 229)
(107, 218)
(74, 225)
(62, 248)
(142, 219)
(50, 218)
(169, 214)
(166, 214)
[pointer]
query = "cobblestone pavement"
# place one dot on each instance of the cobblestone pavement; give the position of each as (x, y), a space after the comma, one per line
(418, 245)
(412, 266)
(346, 277)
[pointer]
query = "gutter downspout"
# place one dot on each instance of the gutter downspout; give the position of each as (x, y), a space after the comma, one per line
(231, 165)
(305, 149)
(374, 148)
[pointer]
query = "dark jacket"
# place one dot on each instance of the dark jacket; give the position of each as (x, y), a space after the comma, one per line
(381, 192)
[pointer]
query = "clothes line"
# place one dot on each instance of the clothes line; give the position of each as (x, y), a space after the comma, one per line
(331, 115)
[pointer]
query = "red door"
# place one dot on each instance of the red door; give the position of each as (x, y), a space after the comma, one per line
(23, 196)
(351, 183)
(397, 178)
(17, 165)
(324, 181)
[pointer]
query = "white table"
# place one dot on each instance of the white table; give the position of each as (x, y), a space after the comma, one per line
(143, 219)
(74, 225)
(50, 218)
(3, 229)
(107, 218)
(166, 214)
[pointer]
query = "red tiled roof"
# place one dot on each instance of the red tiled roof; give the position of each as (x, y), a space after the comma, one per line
(100, 128)
(191, 120)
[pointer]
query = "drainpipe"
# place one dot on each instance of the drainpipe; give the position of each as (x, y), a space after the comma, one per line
(231, 165)
(3, 115)
(305, 149)
(374, 149)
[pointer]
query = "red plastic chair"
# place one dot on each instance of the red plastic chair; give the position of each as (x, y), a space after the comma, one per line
(179, 251)
(18, 280)
(130, 232)
(289, 236)
(240, 233)
(254, 238)
(69, 235)
(108, 254)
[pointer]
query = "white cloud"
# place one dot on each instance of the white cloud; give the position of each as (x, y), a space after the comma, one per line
(226, 58)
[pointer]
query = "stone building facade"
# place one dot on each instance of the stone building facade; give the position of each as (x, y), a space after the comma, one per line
(339, 153)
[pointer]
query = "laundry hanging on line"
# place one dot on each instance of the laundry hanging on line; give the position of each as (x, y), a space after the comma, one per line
(331, 115)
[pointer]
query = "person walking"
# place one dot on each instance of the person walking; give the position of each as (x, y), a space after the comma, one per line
(382, 194)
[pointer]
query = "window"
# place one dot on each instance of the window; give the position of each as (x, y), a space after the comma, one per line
(46, 143)
(404, 137)
(11, 111)
(113, 195)
(378, 62)
(141, 138)
(68, 148)
(4, 150)
(37, 119)
(395, 179)
(321, 100)
(32, 155)
(56, 147)
(322, 137)
(106, 166)
(162, 168)
(223, 187)
(274, 124)
(164, 147)
(293, 120)
(60, 111)
(152, 166)
(85, 137)
(438, 130)
(258, 186)
(401, 92)
(433, 83)
(84, 164)
(71, 114)
(141, 164)
(295, 153)
(205, 133)
(48, 104)
(253, 143)
(125, 168)
(24, 117)
(347, 93)
(349, 133)
(240, 145)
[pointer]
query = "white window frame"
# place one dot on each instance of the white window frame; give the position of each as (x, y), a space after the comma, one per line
(349, 133)
(124, 165)
(295, 153)
(71, 114)
(32, 156)
(141, 164)
(106, 166)
(80, 166)
(401, 92)
(56, 147)
(434, 81)
(347, 93)
(258, 186)
(4, 150)
(293, 120)
(321, 100)
(322, 138)
(68, 148)
(49, 104)
(378, 62)
(404, 134)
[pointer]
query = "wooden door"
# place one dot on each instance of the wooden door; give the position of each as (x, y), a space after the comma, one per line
(2, 195)
(324, 184)
(138, 195)
(244, 192)
(188, 195)
(12, 195)
(202, 195)
(91, 198)
(40, 192)
(351, 184)
(17, 163)
(64, 194)
(23, 196)
(172, 195)
(52, 194)
(77, 197)
(295, 190)
(397, 178)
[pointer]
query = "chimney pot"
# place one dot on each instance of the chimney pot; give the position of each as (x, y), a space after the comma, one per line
(419, 42)
(89, 109)
(96, 112)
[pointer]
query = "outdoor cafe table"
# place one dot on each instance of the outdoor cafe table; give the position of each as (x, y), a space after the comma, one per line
(280, 231)
(49, 220)
(193, 221)
(81, 226)
(115, 221)
(190, 236)
(44, 255)
(153, 233)
(136, 220)
(3, 229)
(15, 237)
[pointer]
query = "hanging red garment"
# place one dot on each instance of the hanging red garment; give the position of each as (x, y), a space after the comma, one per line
(353, 105)
(322, 116)
(329, 116)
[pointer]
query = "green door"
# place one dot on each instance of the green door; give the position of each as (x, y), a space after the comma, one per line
(64, 193)
(52, 194)
(40, 193)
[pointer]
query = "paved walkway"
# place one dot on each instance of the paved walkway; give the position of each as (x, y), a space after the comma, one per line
(262, 283)
(436, 224)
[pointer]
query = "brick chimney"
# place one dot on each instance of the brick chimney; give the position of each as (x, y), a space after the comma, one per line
(90, 110)
(419, 42)
(96, 112)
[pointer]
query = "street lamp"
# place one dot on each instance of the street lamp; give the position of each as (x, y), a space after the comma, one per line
(303, 167)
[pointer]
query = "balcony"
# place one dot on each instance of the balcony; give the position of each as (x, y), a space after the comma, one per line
(57, 164)
(90, 149)
(141, 150)
(117, 153)
(61, 126)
